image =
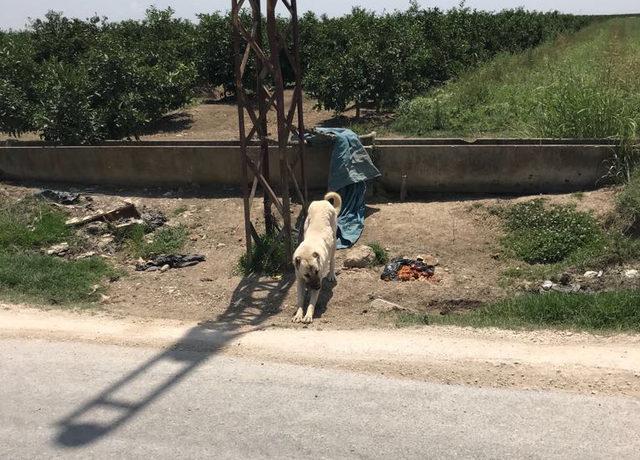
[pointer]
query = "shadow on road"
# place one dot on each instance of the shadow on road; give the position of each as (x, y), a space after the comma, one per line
(253, 302)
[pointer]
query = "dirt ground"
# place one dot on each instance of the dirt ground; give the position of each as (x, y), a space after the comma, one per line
(215, 119)
(464, 238)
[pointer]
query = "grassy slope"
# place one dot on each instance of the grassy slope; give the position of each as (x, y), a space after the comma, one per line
(583, 85)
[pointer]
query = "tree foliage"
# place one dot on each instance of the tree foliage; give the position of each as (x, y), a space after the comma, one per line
(77, 81)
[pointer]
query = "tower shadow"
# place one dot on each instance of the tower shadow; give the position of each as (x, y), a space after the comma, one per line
(253, 302)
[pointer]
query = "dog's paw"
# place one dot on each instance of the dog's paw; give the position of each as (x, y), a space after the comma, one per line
(331, 278)
(297, 318)
(308, 319)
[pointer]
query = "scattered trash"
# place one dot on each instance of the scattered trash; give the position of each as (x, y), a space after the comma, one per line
(153, 219)
(632, 273)
(59, 197)
(58, 249)
(565, 279)
(128, 210)
(429, 260)
(128, 223)
(220, 245)
(96, 228)
(549, 285)
(86, 255)
(403, 269)
(359, 257)
(173, 261)
(106, 240)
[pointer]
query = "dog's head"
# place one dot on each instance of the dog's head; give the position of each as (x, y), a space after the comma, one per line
(308, 269)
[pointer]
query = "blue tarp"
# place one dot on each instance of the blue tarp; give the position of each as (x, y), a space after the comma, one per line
(350, 167)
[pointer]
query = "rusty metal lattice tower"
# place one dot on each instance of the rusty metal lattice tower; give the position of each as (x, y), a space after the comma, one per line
(268, 94)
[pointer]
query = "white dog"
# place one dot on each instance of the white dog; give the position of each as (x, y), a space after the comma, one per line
(315, 257)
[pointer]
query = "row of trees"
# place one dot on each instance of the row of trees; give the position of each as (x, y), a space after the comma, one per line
(83, 81)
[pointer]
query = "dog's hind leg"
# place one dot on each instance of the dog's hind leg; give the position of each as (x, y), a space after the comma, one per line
(332, 267)
(301, 291)
(308, 318)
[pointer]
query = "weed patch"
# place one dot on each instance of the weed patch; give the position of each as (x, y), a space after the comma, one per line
(540, 234)
(267, 257)
(381, 255)
(166, 240)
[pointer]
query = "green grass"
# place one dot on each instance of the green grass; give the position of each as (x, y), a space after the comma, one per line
(267, 257)
(582, 85)
(604, 311)
(28, 226)
(166, 240)
(381, 255)
(31, 223)
(50, 280)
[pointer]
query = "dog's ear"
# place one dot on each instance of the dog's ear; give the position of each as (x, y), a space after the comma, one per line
(297, 261)
(316, 255)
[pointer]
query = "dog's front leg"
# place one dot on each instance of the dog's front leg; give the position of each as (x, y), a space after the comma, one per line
(308, 318)
(301, 291)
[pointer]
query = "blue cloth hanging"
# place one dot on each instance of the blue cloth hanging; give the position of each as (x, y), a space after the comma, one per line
(351, 167)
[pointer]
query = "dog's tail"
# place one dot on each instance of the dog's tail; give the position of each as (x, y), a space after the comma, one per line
(335, 200)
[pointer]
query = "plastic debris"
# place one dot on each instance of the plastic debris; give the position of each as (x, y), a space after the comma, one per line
(59, 197)
(171, 260)
(403, 269)
(153, 219)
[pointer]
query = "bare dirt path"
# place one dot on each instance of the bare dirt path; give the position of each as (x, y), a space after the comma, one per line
(487, 358)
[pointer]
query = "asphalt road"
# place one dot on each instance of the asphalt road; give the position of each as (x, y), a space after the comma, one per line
(66, 399)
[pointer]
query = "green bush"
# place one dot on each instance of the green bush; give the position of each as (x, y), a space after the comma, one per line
(540, 234)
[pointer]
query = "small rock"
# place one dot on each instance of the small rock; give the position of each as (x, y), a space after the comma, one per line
(547, 285)
(104, 298)
(206, 280)
(153, 268)
(384, 306)
(164, 268)
(590, 274)
(86, 255)
(193, 237)
(632, 274)
(359, 257)
(220, 245)
(58, 249)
